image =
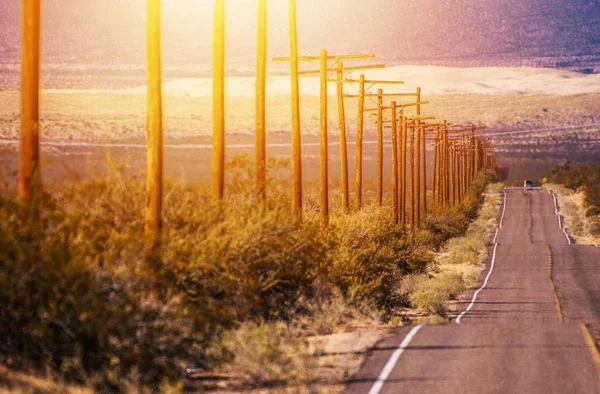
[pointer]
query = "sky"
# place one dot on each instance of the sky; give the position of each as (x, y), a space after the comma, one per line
(450, 32)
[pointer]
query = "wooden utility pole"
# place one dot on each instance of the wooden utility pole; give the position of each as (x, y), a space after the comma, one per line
(323, 72)
(411, 171)
(436, 172)
(343, 142)
(296, 133)
(417, 134)
(400, 156)
(324, 153)
(218, 152)
(454, 158)
(394, 161)
(477, 154)
(434, 129)
(402, 147)
(403, 139)
(360, 122)
(411, 132)
(29, 151)
(261, 81)
(154, 175)
(342, 122)
(445, 181)
(380, 146)
(363, 93)
(465, 167)
(473, 152)
(424, 157)
(462, 169)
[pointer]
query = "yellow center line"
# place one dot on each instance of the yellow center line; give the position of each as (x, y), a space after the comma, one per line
(559, 312)
(589, 341)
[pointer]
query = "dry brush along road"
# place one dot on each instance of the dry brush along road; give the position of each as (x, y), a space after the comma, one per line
(529, 326)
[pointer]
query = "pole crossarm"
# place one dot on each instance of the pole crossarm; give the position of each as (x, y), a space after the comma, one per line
(377, 95)
(352, 68)
(383, 95)
(329, 57)
(372, 82)
(331, 68)
(399, 106)
(381, 83)
(421, 117)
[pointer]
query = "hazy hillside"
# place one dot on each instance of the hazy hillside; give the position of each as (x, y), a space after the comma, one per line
(83, 37)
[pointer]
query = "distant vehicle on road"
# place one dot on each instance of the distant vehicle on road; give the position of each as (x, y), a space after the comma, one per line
(527, 185)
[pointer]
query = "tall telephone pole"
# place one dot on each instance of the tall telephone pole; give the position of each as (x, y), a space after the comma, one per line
(29, 150)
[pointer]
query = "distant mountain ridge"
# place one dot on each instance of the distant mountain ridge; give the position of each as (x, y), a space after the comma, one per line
(455, 33)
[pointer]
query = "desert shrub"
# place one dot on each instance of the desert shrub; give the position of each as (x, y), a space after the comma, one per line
(75, 302)
(260, 262)
(431, 294)
(79, 297)
(444, 224)
(592, 192)
(82, 300)
(270, 353)
(595, 227)
(581, 175)
(370, 256)
(592, 211)
(331, 312)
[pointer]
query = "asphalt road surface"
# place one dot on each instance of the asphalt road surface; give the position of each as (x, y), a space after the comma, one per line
(529, 326)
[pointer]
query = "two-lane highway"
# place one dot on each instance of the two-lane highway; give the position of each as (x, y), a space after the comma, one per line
(520, 331)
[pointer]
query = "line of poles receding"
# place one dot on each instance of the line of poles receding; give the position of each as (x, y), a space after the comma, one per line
(459, 152)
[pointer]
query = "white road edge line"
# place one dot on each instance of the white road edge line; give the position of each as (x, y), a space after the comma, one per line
(560, 226)
(389, 367)
(458, 319)
(503, 208)
(501, 217)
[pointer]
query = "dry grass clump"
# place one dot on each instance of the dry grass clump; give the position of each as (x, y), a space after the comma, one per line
(20, 383)
(471, 249)
(270, 354)
(432, 293)
(330, 313)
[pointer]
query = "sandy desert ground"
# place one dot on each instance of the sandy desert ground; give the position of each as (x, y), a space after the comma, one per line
(503, 99)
